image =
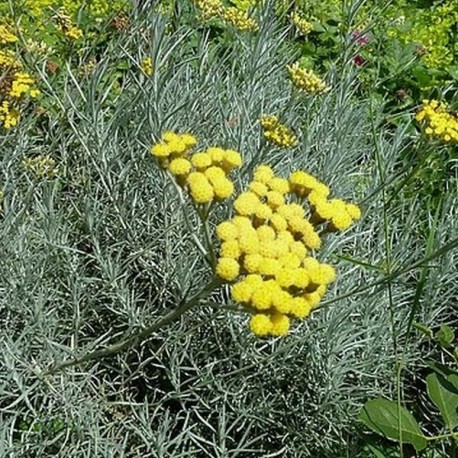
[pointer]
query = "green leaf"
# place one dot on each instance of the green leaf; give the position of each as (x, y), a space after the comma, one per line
(445, 397)
(422, 75)
(383, 417)
(379, 447)
(445, 336)
(424, 329)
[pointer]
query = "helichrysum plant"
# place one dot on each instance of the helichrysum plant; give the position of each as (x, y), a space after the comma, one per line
(6, 36)
(239, 19)
(301, 24)
(42, 166)
(66, 25)
(276, 132)
(147, 66)
(232, 15)
(438, 121)
(306, 80)
(16, 84)
(209, 8)
(267, 247)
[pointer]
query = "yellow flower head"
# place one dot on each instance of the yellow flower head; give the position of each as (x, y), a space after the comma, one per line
(242, 291)
(246, 203)
(201, 161)
(279, 185)
(263, 174)
(223, 188)
(230, 249)
(180, 166)
(277, 133)
(260, 325)
(260, 189)
(302, 183)
(216, 154)
(147, 66)
(302, 25)
(227, 269)
(438, 121)
(200, 187)
(280, 324)
(231, 160)
(252, 262)
(300, 307)
(227, 231)
(306, 80)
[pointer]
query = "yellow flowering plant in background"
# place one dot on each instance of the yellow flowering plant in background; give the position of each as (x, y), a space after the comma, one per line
(41, 166)
(302, 25)
(147, 66)
(231, 15)
(438, 121)
(276, 132)
(16, 84)
(306, 80)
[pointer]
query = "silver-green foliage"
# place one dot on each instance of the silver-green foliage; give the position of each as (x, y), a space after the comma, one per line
(105, 249)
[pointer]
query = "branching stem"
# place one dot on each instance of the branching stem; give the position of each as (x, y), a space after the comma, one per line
(140, 337)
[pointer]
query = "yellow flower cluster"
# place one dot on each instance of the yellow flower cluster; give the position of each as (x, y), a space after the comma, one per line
(209, 8)
(239, 19)
(8, 60)
(301, 23)
(276, 132)
(204, 173)
(147, 66)
(9, 116)
(6, 36)
(265, 248)
(22, 84)
(14, 83)
(66, 26)
(306, 80)
(42, 166)
(236, 17)
(439, 122)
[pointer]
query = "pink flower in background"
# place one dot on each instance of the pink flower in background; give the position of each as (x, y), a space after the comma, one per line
(359, 60)
(359, 38)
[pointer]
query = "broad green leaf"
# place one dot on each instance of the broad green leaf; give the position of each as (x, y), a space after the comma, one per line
(441, 369)
(445, 335)
(445, 396)
(453, 379)
(383, 417)
(377, 453)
